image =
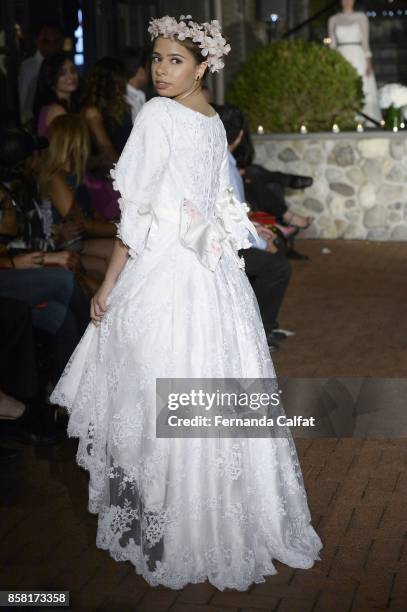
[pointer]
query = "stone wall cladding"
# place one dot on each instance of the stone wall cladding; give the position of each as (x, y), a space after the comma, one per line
(360, 181)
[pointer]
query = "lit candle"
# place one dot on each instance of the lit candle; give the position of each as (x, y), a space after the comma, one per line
(335, 128)
(402, 125)
(359, 127)
(327, 41)
(260, 129)
(395, 128)
(303, 129)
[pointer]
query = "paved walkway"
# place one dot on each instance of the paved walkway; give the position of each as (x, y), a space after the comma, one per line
(349, 322)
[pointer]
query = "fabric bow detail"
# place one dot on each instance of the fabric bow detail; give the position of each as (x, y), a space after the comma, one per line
(227, 230)
(233, 215)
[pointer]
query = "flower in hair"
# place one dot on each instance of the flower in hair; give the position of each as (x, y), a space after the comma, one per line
(207, 34)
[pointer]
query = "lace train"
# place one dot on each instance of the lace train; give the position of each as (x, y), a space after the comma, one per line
(182, 510)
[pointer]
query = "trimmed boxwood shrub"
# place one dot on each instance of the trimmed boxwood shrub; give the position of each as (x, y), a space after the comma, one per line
(289, 83)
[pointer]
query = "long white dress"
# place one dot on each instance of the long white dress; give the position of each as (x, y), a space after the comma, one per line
(349, 34)
(190, 509)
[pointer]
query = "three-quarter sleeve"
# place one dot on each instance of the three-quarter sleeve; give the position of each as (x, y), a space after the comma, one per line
(138, 173)
(364, 26)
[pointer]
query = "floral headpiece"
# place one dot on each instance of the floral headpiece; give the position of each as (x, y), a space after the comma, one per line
(208, 35)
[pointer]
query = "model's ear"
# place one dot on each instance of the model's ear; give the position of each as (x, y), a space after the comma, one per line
(205, 66)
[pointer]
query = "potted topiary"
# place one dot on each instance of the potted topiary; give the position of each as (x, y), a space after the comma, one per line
(291, 83)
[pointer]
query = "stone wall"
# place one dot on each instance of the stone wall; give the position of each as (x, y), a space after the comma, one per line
(359, 190)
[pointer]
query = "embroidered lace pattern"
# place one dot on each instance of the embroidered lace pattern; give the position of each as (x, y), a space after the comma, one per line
(181, 510)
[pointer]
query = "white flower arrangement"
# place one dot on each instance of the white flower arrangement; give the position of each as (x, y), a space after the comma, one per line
(394, 95)
(208, 35)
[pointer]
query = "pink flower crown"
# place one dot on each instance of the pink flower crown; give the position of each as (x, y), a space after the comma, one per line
(208, 35)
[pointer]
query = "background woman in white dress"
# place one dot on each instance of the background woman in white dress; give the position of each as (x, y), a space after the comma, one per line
(176, 303)
(349, 34)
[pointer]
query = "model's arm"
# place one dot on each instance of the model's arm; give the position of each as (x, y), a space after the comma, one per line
(137, 176)
(331, 32)
(364, 26)
(98, 305)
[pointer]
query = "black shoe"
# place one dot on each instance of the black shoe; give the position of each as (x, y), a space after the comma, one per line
(8, 455)
(61, 419)
(276, 336)
(293, 254)
(299, 182)
(272, 343)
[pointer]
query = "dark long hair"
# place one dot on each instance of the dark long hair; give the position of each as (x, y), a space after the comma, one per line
(234, 120)
(47, 79)
(105, 89)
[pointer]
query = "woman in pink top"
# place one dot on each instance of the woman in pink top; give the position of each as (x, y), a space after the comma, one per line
(56, 91)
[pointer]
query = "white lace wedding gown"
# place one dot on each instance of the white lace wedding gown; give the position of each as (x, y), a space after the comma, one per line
(181, 510)
(349, 33)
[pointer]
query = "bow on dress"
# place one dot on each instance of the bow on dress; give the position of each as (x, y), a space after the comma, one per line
(228, 229)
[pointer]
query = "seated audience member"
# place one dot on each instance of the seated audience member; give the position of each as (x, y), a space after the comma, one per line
(106, 111)
(265, 189)
(42, 281)
(267, 267)
(256, 178)
(61, 183)
(26, 224)
(56, 92)
(49, 39)
(108, 116)
(59, 306)
(28, 418)
(135, 62)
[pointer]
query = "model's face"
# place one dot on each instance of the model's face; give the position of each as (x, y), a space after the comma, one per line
(347, 5)
(173, 68)
(67, 80)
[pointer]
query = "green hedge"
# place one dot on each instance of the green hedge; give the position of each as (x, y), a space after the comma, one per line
(289, 83)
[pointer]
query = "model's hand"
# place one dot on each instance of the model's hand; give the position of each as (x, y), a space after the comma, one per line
(98, 304)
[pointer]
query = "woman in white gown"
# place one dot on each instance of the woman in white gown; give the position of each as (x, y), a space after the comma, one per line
(176, 303)
(349, 34)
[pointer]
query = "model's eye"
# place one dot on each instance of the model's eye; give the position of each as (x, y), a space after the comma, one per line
(177, 61)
